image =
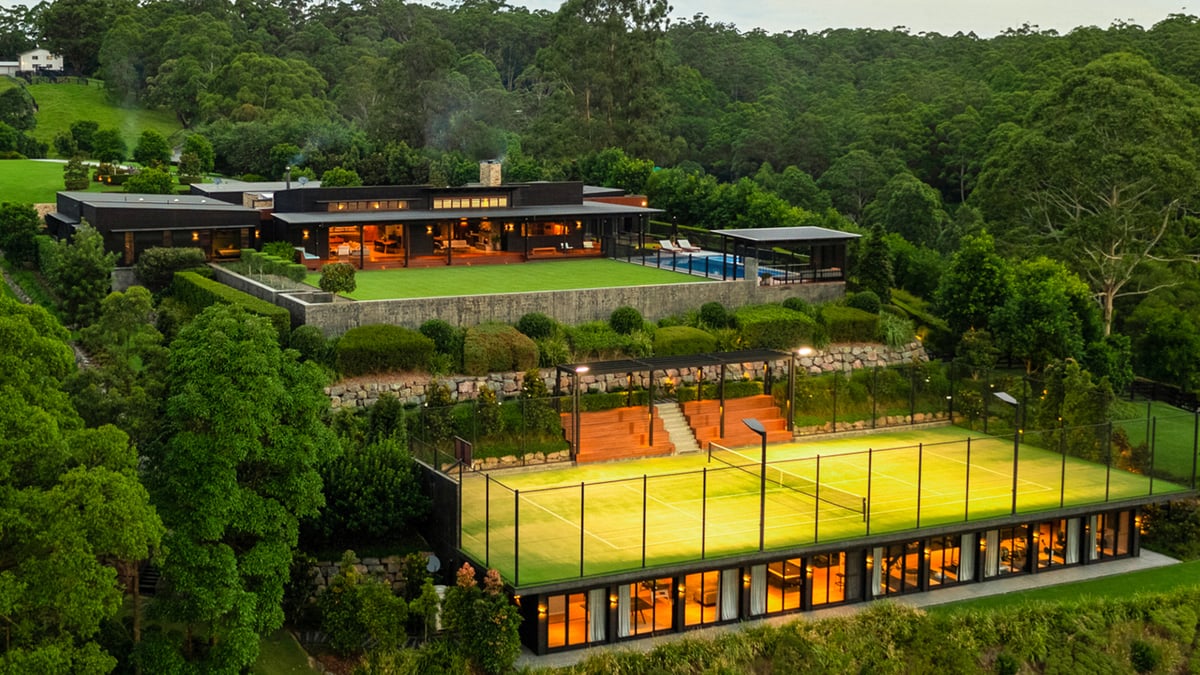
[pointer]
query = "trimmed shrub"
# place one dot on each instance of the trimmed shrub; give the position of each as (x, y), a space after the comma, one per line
(380, 349)
(295, 271)
(537, 326)
(596, 340)
(311, 344)
(681, 340)
(553, 351)
(848, 324)
(337, 278)
(714, 315)
(867, 301)
(156, 267)
(197, 292)
(497, 347)
(625, 320)
(774, 327)
(281, 249)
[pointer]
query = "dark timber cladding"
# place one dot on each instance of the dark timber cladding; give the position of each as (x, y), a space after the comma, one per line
(825, 248)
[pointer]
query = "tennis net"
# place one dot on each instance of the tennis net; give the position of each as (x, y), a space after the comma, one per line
(777, 476)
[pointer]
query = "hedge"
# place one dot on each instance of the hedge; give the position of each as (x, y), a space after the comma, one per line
(381, 348)
(683, 340)
(612, 399)
(712, 390)
(156, 267)
(197, 292)
(774, 327)
(849, 324)
(497, 347)
(265, 263)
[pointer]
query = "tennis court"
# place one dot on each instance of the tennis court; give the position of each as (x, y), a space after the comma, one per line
(542, 526)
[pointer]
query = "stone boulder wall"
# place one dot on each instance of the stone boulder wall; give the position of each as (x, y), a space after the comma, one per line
(410, 387)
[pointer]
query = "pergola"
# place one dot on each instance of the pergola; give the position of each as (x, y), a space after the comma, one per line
(827, 250)
(573, 372)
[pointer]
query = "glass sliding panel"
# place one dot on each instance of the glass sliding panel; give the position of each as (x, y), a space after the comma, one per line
(828, 578)
(785, 582)
(701, 598)
(944, 561)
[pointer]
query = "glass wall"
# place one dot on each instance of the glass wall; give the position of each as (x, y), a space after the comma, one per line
(646, 607)
(702, 598)
(944, 557)
(785, 584)
(899, 568)
(1057, 543)
(1014, 550)
(828, 580)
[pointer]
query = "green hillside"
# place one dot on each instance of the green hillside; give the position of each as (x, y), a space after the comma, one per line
(33, 181)
(61, 104)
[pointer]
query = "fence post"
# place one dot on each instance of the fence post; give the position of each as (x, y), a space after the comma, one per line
(487, 519)
(516, 537)
(582, 511)
(967, 493)
(1195, 438)
(920, 471)
(644, 492)
(1107, 461)
(817, 504)
(703, 511)
(1152, 439)
(867, 514)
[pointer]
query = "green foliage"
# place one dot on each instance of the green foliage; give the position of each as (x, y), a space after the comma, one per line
(496, 347)
(75, 174)
(151, 149)
(311, 344)
(371, 494)
(867, 301)
(625, 320)
(152, 181)
(80, 273)
(447, 340)
(17, 109)
(487, 412)
(108, 146)
(874, 266)
(202, 149)
(1048, 314)
(340, 177)
(482, 622)
(553, 351)
(197, 293)
(1144, 656)
(895, 331)
(156, 267)
(337, 278)
(279, 249)
(19, 226)
(539, 416)
(1173, 528)
(848, 324)
(380, 349)
(774, 327)
(235, 472)
(713, 315)
(537, 326)
(682, 340)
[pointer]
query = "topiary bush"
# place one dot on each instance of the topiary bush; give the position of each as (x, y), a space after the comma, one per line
(280, 249)
(848, 324)
(337, 278)
(380, 349)
(596, 340)
(497, 347)
(537, 326)
(867, 301)
(311, 344)
(714, 315)
(156, 267)
(774, 327)
(681, 340)
(626, 320)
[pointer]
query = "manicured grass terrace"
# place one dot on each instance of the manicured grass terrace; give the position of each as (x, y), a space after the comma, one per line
(35, 182)
(696, 510)
(517, 278)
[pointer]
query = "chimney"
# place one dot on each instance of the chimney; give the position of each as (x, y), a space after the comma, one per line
(489, 173)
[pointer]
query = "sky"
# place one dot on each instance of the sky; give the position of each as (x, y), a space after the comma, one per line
(985, 17)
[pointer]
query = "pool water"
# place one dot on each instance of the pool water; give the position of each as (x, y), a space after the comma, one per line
(716, 265)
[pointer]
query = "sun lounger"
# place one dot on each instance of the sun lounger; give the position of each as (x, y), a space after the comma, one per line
(669, 247)
(687, 246)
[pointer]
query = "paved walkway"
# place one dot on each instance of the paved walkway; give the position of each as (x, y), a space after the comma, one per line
(1147, 560)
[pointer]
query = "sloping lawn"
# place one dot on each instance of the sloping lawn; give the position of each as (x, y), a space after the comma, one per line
(524, 278)
(61, 104)
(1156, 580)
(34, 182)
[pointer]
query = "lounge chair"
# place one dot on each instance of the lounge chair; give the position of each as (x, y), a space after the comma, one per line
(669, 247)
(687, 246)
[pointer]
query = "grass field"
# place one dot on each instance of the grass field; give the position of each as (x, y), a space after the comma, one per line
(61, 104)
(521, 278)
(1157, 580)
(33, 181)
(696, 510)
(1173, 432)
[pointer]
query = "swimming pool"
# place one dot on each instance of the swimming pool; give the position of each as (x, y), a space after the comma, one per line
(712, 265)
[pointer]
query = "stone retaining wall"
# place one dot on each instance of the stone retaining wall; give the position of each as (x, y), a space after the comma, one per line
(410, 387)
(389, 569)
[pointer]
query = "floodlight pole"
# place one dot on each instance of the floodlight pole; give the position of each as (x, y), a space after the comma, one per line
(759, 429)
(1008, 398)
(579, 371)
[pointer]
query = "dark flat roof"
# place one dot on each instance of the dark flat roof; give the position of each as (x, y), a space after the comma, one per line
(778, 235)
(231, 185)
(415, 215)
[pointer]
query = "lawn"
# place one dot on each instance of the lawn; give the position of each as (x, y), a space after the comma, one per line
(61, 104)
(520, 278)
(1173, 431)
(537, 526)
(280, 654)
(1156, 580)
(34, 181)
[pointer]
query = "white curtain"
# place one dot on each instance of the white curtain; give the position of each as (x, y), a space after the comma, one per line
(1071, 555)
(991, 554)
(623, 611)
(729, 594)
(1094, 544)
(876, 571)
(966, 558)
(597, 613)
(758, 590)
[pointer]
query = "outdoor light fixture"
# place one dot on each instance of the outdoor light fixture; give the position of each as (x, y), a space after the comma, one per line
(195, 236)
(612, 600)
(805, 351)
(1008, 398)
(306, 234)
(758, 428)
(428, 229)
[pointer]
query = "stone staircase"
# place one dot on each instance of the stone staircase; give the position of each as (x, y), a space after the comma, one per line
(677, 427)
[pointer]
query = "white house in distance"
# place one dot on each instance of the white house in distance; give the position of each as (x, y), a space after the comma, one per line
(39, 59)
(9, 67)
